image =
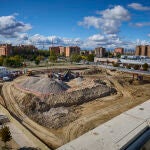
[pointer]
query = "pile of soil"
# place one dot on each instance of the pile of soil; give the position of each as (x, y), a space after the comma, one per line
(55, 117)
(42, 85)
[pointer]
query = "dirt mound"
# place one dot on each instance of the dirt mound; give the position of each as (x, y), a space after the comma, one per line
(42, 85)
(56, 117)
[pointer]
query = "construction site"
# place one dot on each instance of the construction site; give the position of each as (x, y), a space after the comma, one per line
(60, 104)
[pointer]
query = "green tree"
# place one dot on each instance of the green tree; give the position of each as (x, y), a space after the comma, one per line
(75, 58)
(1, 60)
(145, 67)
(128, 66)
(13, 61)
(53, 56)
(37, 61)
(90, 57)
(136, 67)
(5, 134)
(118, 55)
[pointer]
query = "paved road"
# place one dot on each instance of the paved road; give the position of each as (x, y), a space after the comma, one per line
(126, 70)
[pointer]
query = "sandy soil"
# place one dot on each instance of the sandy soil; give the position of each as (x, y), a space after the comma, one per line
(98, 111)
(101, 110)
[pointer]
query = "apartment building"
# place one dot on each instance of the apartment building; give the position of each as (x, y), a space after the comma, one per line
(5, 49)
(72, 50)
(56, 49)
(142, 50)
(119, 50)
(100, 52)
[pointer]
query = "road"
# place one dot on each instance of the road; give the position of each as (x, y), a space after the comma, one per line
(140, 72)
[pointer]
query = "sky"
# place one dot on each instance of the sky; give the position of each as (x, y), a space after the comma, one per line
(84, 23)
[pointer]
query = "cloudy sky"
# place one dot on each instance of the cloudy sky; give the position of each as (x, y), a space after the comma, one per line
(86, 23)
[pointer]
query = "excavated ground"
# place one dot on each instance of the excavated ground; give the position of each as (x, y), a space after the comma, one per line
(58, 108)
(75, 120)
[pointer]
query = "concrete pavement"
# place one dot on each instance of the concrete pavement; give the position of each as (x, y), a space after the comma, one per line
(116, 133)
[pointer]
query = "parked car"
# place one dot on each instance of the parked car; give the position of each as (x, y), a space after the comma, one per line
(7, 78)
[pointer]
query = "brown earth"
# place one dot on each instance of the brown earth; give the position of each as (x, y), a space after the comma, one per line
(89, 114)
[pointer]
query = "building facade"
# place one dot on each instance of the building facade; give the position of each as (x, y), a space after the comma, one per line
(56, 49)
(24, 49)
(119, 50)
(142, 50)
(5, 49)
(62, 50)
(72, 50)
(100, 52)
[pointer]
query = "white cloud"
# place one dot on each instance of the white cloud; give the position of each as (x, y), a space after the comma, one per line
(138, 6)
(10, 27)
(141, 24)
(110, 41)
(116, 13)
(149, 34)
(46, 41)
(107, 41)
(109, 20)
(97, 37)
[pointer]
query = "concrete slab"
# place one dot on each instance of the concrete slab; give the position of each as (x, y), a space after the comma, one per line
(95, 139)
(121, 126)
(115, 133)
(131, 135)
(141, 111)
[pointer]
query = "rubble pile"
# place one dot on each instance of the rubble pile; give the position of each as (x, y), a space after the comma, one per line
(42, 85)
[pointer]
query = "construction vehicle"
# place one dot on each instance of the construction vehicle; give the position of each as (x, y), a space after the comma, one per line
(29, 73)
(66, 76)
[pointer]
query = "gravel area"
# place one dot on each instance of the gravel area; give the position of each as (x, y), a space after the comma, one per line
(42, 85)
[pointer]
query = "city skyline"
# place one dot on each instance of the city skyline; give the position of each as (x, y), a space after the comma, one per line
(88, 24)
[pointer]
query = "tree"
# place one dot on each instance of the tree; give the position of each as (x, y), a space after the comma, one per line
(128, 66)
(136, 67)
(75, 58)
(13, 61)
(1, 60)
(90, 57)
(53, 56)
(5, 134)
(118, 55)
(83, 57)
(37, 61)
(145, 67)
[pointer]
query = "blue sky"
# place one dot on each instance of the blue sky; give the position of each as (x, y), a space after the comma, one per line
(86, 23)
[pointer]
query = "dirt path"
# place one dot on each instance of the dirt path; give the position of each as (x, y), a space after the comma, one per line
(38, 130)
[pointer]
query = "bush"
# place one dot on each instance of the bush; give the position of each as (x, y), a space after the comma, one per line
(37, 61)
(145, 67)
(5, 134)
(53, 56)
(128, 66)
(75, 58)
(136, 67)
(13, 61)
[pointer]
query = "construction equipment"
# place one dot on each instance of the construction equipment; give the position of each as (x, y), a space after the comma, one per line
(29, 73)
(66, 76)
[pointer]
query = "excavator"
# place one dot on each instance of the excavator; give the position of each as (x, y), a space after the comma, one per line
(66, 76)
